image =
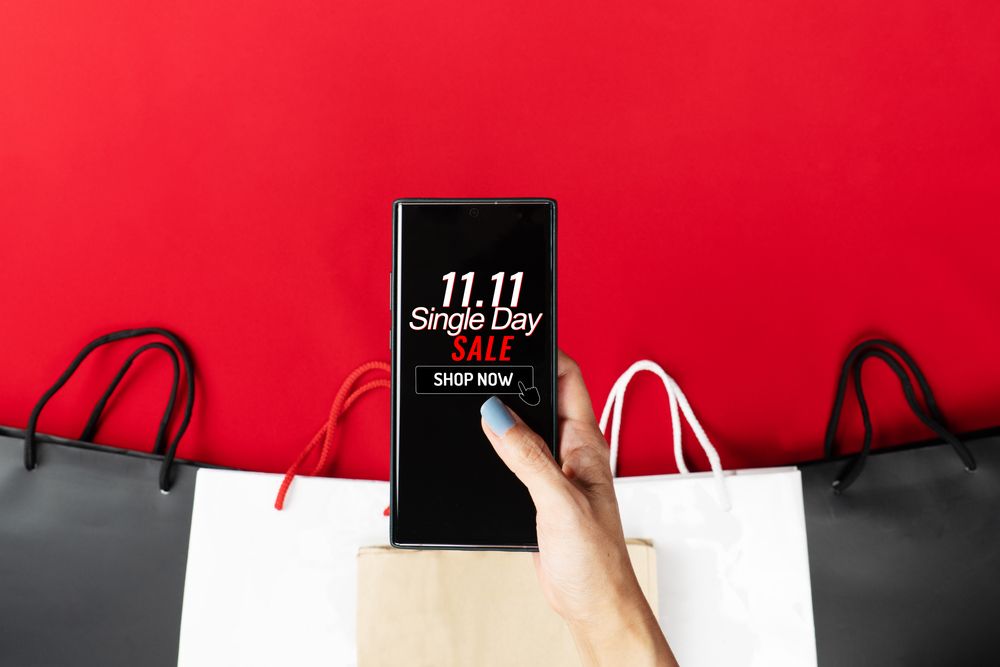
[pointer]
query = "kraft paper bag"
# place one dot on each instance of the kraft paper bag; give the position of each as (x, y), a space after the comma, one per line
(460, 608)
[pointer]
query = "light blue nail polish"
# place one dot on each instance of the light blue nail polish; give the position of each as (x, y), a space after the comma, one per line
(496, 415)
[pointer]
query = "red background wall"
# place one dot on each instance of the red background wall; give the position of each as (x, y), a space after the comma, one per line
(746, 189)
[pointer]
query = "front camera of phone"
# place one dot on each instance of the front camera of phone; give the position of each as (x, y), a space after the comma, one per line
(474, 212)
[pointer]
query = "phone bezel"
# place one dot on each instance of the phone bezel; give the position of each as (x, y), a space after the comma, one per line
(394, 347)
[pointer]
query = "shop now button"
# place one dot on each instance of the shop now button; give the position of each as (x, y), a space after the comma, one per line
(480, 379)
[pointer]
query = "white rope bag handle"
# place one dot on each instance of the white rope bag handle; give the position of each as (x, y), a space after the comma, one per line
(616, 398)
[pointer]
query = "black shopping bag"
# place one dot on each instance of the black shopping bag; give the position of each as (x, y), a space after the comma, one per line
(905, 566)
(93, 540)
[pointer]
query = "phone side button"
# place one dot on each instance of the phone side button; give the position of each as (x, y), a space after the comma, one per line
(390, 339)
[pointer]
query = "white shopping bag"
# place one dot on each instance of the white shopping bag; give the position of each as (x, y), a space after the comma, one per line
(731, 555)
(265, 587)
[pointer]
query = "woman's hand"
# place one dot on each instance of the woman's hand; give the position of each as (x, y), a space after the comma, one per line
(582, 564)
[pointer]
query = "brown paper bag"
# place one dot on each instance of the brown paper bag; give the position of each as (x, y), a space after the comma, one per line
(463, 608)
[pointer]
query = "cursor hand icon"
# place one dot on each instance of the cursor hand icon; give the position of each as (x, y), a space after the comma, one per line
(529, 394)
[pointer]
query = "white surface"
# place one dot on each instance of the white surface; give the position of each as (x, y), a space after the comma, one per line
(734, 584)
(265, 587)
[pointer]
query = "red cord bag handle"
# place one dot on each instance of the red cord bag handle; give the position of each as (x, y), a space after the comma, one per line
(323, 439)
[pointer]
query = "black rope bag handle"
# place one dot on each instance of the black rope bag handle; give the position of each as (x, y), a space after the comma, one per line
(90, 430)
(845, 371)
(856, 361)
(166, 479)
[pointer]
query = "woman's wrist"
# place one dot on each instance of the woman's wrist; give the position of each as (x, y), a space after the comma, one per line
(628, 634)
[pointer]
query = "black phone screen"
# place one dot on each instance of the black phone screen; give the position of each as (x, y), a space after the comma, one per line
(473, 316)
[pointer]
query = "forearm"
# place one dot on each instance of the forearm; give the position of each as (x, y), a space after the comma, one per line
(631, 637)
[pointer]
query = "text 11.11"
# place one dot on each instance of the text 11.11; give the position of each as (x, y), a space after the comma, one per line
(467, 278)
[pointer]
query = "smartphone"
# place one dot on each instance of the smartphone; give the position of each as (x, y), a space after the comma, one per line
(473, 303)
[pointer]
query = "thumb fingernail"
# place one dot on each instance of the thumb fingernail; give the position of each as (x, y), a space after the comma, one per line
(496, 415)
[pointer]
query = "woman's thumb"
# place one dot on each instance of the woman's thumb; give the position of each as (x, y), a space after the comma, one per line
(524, 452)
